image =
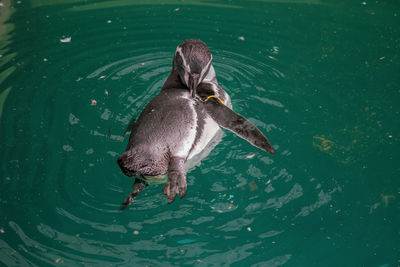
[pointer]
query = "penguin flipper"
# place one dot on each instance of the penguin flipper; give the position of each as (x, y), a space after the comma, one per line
(176, 183)
(230, 120)
(138, 187)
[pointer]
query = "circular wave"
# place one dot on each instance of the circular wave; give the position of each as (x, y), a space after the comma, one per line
(73, 93)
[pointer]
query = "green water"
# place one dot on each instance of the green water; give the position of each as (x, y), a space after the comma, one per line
(320, 78)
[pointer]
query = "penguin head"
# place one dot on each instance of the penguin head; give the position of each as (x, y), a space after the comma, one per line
(192, 61)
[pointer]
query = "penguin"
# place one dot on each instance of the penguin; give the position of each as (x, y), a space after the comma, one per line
(179, 122)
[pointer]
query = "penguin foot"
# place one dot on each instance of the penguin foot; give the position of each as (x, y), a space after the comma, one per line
(176, 183)
(138, 187)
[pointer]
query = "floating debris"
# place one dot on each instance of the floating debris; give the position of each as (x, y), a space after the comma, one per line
(241, 38)
(93, 103)
(135, 232)
(66, 40)
(59, 260)
(340, 151)
(275, 50)
(2, 231)
(251, 156)
(322, 143)
(230, 205)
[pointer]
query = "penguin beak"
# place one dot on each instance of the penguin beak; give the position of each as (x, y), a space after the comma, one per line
(193, 83)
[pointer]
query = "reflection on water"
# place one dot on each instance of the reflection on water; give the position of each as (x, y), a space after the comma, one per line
(316, 77)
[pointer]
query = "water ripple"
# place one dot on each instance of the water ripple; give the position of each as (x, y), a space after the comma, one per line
(67, 104)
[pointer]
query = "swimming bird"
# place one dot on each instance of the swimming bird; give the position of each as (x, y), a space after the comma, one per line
(179, 122)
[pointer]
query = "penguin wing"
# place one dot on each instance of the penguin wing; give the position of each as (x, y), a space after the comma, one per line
(228, 119)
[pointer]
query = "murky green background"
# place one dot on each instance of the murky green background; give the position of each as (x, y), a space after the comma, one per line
(320, 78)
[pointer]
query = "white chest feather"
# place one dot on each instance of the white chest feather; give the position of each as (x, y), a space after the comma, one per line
(188, 138)
(209, 131)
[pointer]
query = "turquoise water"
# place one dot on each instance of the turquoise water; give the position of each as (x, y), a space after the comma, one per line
(320, 78)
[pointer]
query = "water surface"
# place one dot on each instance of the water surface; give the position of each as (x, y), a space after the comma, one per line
(320, 78)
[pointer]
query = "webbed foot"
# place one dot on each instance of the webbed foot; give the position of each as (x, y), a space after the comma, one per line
(138, 187)
(176, 183)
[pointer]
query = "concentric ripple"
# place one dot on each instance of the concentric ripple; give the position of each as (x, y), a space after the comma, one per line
(84, 86)
(74, 73)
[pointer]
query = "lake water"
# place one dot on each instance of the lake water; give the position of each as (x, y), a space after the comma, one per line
(319, 78)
